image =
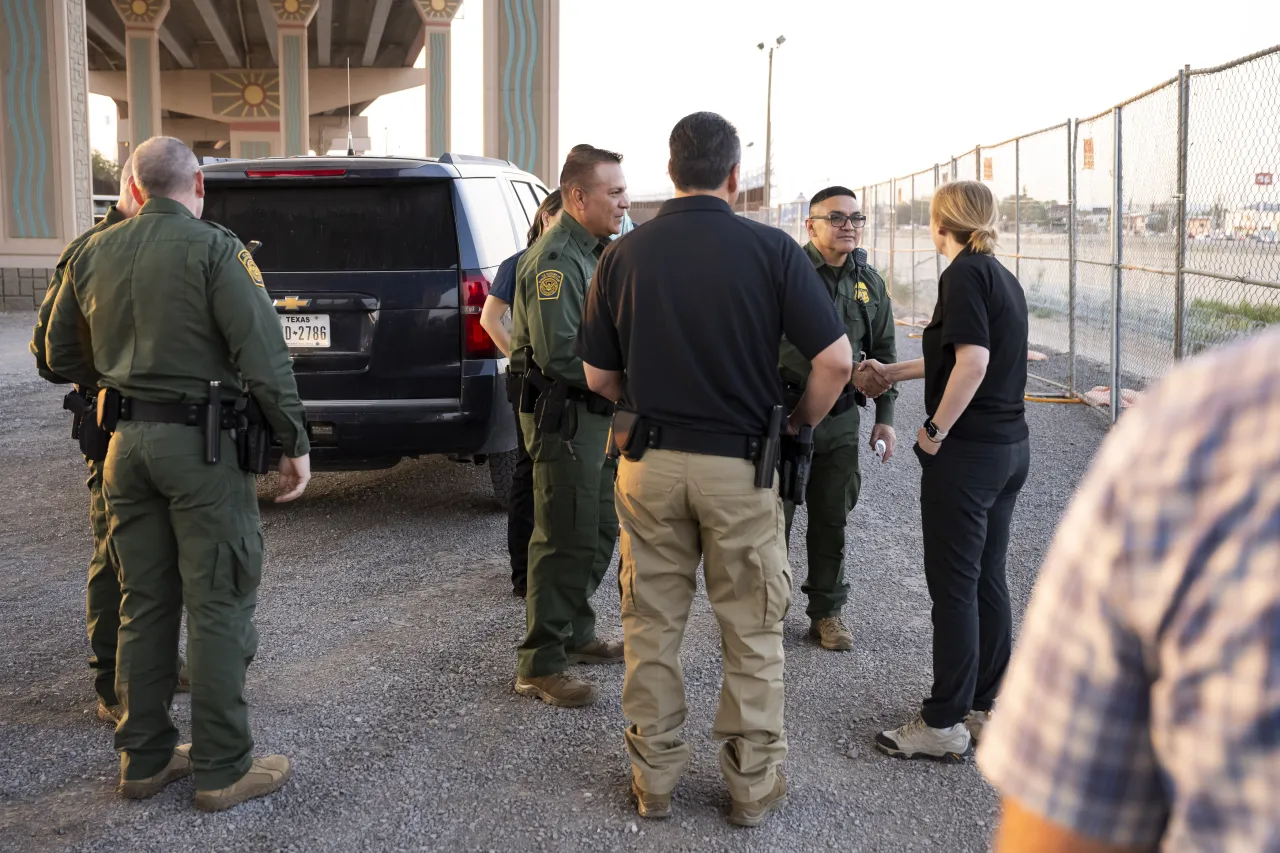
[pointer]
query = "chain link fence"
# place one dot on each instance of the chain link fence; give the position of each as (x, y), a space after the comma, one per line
(1141, 235)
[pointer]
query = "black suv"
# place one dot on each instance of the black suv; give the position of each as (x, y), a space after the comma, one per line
(379, 268)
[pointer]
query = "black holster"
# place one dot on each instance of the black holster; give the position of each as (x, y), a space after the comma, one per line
(628, 434)
(253, 436)
(93, 439)
(767, 461)
(796, 466)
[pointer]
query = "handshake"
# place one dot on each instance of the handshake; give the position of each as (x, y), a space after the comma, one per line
(872, 377)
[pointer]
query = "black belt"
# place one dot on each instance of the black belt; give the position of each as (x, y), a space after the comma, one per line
(663, 437)
(185, 414)
(846, 401)
(596, 404)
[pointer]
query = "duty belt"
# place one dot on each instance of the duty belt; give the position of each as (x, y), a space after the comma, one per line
(847, 400)
(596, 404)
(664, 437)
(185, 414)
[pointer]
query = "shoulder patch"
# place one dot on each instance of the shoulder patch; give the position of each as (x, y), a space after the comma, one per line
(246, 260)
(549, 283)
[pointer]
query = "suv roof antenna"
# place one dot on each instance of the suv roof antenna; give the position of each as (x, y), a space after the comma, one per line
(351, 148)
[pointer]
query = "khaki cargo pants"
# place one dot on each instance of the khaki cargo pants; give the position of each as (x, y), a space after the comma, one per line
(674, 509)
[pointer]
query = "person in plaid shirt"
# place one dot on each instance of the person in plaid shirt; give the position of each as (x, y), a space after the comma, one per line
(1142, 705)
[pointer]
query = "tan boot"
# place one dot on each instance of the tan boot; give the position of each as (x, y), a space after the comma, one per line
(832, 633)
(651, 805)
(266, 776)
(110, 713)
(179, 766)
(561, 690)
(754, 812)
(184, 677)
(598, 651)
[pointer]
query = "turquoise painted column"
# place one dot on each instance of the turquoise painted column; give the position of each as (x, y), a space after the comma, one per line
(292, 18)
(522, 84)
(437, 18)
(142, 19)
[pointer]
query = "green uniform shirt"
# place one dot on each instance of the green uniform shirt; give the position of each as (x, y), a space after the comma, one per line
(55, 284)
(872, 332)
(162, 304)
(551, 285)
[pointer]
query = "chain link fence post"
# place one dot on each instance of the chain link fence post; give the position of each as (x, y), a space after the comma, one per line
(937, 258)
(1117, 260)
(893, 228)
(913, 246)
(1180, 262)
(1017, 209)
(1073, 226)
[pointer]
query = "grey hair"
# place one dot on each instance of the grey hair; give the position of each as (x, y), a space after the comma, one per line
(164, 167)
(126, 172)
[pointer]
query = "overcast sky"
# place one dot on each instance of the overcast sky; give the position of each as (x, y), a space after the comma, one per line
(863, 91)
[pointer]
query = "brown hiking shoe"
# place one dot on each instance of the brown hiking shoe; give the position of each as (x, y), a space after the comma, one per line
(179, 766)
(559, 689)
(110, 713)
(754, 812)
(266, 776)
(651, 805)
(184, 677)
(832, 633)
(598, 651)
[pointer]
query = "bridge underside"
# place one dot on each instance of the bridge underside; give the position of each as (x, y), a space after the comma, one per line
(239, 78)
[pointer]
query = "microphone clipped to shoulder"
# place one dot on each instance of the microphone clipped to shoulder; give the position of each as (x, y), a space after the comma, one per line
(860, 258)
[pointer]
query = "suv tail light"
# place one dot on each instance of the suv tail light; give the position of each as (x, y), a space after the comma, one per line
(295, 173)
(476, 342)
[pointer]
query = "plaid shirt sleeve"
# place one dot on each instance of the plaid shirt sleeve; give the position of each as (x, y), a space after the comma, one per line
(1138, 705)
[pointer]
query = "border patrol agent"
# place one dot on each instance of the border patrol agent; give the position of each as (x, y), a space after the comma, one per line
(102, 592)
(156, 311)
(565, 427)
(682, 327)
(861, 300)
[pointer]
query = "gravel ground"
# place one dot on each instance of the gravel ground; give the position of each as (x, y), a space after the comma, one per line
(387, 657)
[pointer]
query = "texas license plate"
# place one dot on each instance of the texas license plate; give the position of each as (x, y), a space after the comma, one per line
(305, 330)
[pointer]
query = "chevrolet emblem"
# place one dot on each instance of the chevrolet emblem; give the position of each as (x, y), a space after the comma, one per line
(291, 303)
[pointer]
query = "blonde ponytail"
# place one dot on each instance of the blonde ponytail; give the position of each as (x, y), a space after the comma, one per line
(968, 210)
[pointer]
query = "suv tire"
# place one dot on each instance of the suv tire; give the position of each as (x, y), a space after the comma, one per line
(502, 470)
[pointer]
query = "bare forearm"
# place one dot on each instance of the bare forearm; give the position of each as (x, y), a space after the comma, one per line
(820, 394)
(961, 386)
(1024, 832)
(491, 322)
(606, 383)
(904, 371)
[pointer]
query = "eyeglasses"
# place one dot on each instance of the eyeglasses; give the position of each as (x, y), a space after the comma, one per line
(839, 220)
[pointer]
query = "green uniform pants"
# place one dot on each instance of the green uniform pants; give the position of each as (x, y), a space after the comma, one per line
(183, 532)
(575, 528)
(833, 492)
(102, 595)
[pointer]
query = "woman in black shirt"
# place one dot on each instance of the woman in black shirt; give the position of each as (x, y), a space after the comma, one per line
(974, 452)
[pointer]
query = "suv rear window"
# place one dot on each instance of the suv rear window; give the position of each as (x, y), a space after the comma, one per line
(332, 227)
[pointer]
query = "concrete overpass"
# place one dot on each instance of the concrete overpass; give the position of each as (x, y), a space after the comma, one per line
(239, 78)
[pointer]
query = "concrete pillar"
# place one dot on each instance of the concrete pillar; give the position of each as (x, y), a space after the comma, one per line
(142, 19)
(437, 18)
(522, 85)
(292, 18)
(45, 169)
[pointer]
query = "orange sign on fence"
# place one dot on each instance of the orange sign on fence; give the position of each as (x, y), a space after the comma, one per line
(987, 169)
(1088, 154)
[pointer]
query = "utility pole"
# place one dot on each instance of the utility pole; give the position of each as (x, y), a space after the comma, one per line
(768, 129)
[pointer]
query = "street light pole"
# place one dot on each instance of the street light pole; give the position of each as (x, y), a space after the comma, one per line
(768, 129)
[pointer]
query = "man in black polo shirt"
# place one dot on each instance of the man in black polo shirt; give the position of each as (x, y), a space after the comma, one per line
(682, 325)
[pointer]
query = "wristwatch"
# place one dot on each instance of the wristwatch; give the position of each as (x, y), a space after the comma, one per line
(931, 429)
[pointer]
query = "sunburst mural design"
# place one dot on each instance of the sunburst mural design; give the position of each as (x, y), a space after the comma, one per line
(246, 94)
(293, 10)
(139, 11)
(443, 10)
